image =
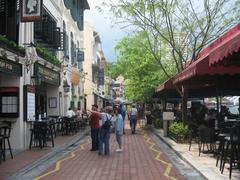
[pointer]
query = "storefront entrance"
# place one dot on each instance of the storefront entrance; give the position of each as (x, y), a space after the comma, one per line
(41, 100)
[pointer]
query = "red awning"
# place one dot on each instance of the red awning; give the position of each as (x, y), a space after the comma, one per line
(201, 68)
(226, 45)
(164, 86)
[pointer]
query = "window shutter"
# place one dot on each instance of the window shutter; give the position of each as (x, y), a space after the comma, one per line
(80, 56)
(3, 14)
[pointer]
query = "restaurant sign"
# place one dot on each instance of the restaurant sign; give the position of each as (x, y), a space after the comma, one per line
(10, 67)
(47, 75)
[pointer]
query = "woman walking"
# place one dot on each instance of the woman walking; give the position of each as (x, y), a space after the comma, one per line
(119, 128)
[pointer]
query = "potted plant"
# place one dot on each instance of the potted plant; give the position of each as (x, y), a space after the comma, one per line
(45, 54)
(178, 131)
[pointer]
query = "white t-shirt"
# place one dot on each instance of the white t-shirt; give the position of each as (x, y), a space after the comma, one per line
(105, 117)
(133, 111)
(70, 113)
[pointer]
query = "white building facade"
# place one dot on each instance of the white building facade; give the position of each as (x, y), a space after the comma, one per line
(48, 52)
(94, 65)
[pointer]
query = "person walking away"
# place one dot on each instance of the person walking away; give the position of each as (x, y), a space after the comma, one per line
(123, 113)
(133, 118)
(94, 125)
(119, 128)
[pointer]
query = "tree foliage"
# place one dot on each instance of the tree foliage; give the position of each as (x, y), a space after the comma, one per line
(181, 28)
(184, 27)
(138, 67)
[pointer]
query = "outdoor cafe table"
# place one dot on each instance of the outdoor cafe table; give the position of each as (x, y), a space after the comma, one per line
(40, 132)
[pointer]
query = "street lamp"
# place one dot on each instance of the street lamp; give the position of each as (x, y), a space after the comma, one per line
(36, 80)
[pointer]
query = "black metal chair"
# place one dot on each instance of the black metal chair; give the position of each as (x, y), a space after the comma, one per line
(206, 137)
(224, 131)
(5, 134)
(41, 132)
(231, 152)
(1, 149)
(193, 135)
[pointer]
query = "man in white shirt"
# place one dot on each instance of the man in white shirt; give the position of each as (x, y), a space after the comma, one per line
(70, 113)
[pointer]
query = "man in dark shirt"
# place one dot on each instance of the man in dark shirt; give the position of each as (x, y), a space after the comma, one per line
(94, 124)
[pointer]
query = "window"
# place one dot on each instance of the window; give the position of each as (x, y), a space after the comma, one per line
(9, 19)
(9, 102)
(47, 33)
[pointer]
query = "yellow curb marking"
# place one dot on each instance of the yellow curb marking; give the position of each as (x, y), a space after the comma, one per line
(58, 163)
(157, 157)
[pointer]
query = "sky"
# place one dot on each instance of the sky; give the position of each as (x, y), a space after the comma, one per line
(102, 24)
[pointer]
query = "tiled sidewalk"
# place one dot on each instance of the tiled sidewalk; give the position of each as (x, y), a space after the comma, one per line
(25, 158)
(141, 159)
(205, 164)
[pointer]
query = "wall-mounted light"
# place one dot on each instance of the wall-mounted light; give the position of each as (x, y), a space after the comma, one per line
(36, 80)
(16, 59)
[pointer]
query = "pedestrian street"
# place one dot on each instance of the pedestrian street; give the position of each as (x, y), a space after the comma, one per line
(141, 159)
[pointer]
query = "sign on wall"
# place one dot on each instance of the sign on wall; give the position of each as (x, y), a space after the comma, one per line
(168, 116)
(10, 67)
(47, 75)
(31, 10)
(29, 103)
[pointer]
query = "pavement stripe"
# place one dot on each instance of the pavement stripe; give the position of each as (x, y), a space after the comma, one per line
(158, 156)
(58, 163)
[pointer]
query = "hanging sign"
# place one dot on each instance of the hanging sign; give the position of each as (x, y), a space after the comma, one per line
(31, 10)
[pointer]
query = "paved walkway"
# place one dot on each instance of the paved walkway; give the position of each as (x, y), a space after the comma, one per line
(25, 159)
(141, 159)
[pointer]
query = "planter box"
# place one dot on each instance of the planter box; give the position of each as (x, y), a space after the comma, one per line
(178, 138)
(12, 49)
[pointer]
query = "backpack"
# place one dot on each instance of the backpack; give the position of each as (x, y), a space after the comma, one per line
(107, 124)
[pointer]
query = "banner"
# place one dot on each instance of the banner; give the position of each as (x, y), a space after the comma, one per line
(31, 10)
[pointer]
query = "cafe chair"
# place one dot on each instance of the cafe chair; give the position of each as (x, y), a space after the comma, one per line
(1, 149)
(224, 131)
(5, 134)
(193, 135)
(206, 137)
(231, 152)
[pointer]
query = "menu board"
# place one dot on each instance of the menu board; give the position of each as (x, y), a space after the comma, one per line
(29, 103)
(30, 106)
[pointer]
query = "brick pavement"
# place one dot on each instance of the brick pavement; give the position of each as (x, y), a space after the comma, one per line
(26, 157)
(141, 159)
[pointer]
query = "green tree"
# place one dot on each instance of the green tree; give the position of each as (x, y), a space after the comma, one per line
(184, 27)
(138, 67)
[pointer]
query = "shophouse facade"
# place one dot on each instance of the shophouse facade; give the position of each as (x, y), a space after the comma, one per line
(94, 65)
(38, 60)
